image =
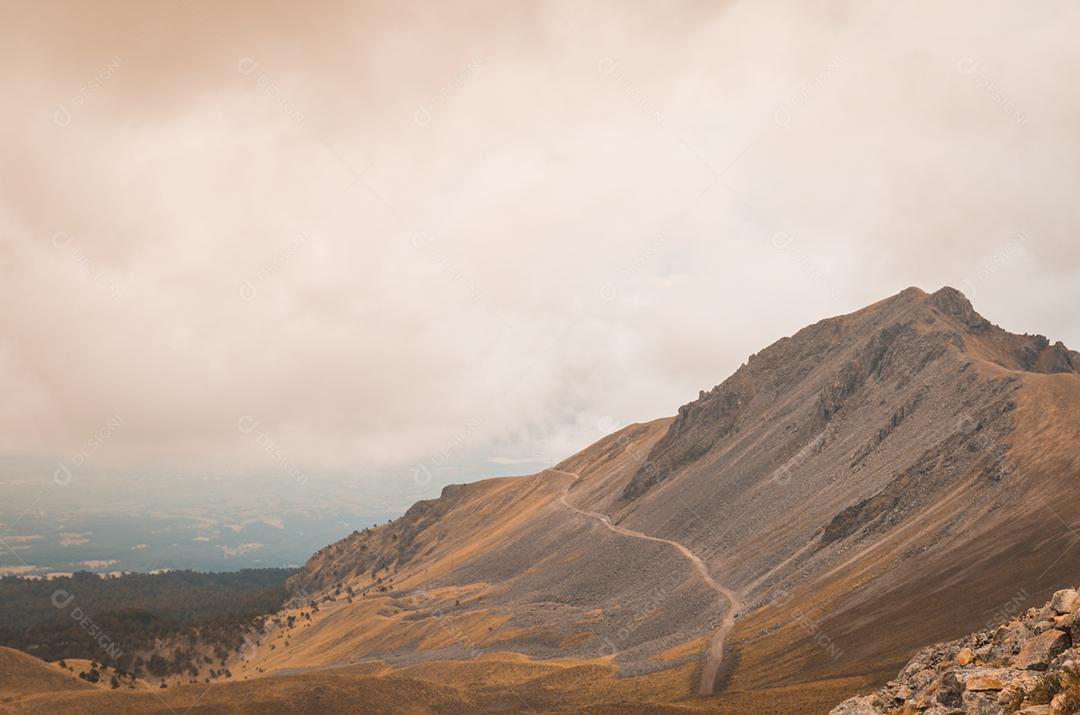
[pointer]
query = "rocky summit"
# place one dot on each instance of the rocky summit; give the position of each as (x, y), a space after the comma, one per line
(1028, 665)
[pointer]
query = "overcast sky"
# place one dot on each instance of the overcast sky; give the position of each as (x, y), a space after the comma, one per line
(360, 237)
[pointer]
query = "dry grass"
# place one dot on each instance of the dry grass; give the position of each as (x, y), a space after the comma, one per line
(1049, 685)
(22, 675)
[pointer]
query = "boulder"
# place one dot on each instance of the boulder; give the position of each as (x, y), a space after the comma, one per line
(1036, 653)
(857, 706)
(1069, 623)
(980, 704)
(984, 679)
(1008, 638)
(922, 679)
(981, 683)
(1025, 679)
(1067, 600)
(1043, 626)
(951, 692)
(965, 656)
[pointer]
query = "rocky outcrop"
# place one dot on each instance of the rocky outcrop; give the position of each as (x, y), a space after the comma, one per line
(697, 427)
(375, 551)
(1029, 664)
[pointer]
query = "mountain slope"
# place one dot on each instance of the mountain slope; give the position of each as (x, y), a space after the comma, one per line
(22, 675)
(876, 482)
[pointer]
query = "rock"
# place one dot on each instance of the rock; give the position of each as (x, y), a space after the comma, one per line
(984, 679)
(1025, 679)
(920, 680)
(1066, 600)
(1043, 626)
(856, 706)
(980, 704)
(984, 682)
(1008, 637)
(985, 672)
(1036, 653)
(951, 691)
(1070, 623)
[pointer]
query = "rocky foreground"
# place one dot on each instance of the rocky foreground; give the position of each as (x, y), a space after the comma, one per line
(1029, 665)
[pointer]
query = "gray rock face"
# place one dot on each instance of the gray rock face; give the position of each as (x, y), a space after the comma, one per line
(1021, 666)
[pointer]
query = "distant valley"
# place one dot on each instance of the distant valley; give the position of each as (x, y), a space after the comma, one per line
(109, 524)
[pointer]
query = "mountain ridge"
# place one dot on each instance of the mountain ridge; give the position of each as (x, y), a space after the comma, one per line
(877, 423)
(875, 482)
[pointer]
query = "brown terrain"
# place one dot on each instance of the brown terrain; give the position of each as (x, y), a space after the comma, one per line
(22, 675)
(877, 482)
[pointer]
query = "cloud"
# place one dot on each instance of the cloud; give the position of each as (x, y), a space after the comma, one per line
(385, 235)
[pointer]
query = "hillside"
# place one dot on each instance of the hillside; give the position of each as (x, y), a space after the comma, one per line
(22, 675)
(874, 483)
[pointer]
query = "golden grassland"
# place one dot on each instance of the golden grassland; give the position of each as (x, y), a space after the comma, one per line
(502, 682)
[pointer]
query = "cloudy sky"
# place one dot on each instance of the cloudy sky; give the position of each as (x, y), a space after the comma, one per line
(364, 236)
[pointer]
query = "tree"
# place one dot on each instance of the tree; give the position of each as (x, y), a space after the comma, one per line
(157, 666)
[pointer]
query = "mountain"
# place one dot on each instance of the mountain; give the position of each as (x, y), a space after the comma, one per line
(874, 483)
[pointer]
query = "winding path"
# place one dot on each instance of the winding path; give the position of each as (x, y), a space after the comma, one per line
(707, 684)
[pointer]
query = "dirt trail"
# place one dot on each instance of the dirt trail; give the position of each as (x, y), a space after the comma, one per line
(707, 685)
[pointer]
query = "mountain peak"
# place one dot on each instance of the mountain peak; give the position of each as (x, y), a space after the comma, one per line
(837, 367)
(955, 304)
